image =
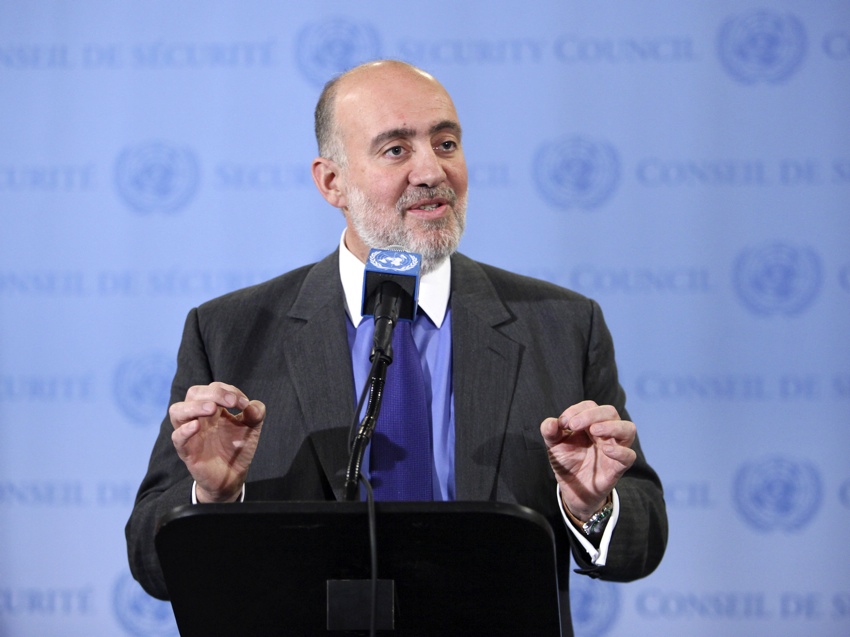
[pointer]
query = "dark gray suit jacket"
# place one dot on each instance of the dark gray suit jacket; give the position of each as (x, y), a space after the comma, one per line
(523, 350)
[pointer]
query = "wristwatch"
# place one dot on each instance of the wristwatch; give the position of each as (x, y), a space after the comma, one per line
(594, 527)
(596, 524)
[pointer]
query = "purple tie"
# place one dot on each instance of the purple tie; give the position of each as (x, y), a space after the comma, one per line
(400, 454)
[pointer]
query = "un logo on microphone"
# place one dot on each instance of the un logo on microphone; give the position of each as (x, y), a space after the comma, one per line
(140, 614)
(156, 177)
(142, 387)
(393, 261)
(778, 278)
(326, 49)
(576, 172)
(761, 46)
(594, 605)
(777, 493)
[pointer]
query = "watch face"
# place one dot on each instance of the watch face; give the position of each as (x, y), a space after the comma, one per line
(597, 521)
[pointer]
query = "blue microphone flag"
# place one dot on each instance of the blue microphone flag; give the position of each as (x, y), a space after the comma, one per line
(399, 267)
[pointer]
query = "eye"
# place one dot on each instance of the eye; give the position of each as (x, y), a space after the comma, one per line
(448, 145)
(395, 151)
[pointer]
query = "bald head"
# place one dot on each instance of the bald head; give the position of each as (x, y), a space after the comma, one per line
(328, 135)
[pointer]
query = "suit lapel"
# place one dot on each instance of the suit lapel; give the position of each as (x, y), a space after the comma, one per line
(485, 365)
(319, 362)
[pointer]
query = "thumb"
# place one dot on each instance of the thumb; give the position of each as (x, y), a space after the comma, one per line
(253, 414)
(551, 431)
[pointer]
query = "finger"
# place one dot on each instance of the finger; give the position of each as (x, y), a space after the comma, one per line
(551, 431)
(241, 398)
(589, 415)
(187, 411)
(626, 456)
(182, 434)
(572, 411)
(220, 393)
(253, 414)
(623, 431)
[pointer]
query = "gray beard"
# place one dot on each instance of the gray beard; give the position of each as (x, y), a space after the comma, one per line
(436, 240)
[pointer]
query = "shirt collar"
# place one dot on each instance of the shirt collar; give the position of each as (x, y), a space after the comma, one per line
(434, 287)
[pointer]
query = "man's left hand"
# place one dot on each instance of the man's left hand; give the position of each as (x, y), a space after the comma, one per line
(589, 450)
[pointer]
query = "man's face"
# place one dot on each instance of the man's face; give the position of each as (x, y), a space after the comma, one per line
(405, 179)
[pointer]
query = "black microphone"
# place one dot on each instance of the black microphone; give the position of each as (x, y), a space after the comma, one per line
(390, 293)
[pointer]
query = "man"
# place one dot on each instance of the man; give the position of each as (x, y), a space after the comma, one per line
(525, 402)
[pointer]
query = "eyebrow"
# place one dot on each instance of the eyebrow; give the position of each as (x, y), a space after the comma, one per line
(394, 133)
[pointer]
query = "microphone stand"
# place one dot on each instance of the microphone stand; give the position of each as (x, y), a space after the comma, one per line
(367, 425)
(389, 298)
(387, 309)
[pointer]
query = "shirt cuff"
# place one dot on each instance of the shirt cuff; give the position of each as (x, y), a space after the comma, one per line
(195, 495)
(598, 556)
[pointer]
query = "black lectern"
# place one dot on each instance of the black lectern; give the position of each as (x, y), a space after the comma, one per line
(456, 568)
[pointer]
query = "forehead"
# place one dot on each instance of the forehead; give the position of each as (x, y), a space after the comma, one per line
(375, 101)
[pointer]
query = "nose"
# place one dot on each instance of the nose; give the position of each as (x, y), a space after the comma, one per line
(426, 169)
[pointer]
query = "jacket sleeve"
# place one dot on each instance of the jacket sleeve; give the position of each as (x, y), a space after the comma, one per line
(167, 483)
(640, 537)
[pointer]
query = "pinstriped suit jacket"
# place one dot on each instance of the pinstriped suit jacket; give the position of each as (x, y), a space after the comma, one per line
(523, 350)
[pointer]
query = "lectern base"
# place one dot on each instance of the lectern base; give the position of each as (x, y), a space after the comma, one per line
(350, 604)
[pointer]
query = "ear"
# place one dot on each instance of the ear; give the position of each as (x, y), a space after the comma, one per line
(328, 179)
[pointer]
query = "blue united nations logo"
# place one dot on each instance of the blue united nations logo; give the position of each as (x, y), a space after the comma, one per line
(393, 261)
(576, 172)
(778, 278)
(777, 493)
(761, 46)
(325, 49)
(594, 605)
(156, 177)
(142, 387)
(140, 614)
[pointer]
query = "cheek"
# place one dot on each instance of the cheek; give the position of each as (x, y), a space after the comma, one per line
(459, 178)
(390, 193)
(383, 189)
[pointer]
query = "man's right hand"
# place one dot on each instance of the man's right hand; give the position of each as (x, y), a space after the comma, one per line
(217, 446)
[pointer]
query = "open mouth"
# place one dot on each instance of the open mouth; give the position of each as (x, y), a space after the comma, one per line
(429, 205)
(427, 202)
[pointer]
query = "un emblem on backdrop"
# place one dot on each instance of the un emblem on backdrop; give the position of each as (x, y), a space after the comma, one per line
(576, 172)
(156, 177)
(594, 605)
(761, 46)
(140, 614)
(325, 49)
(778, 278)
(777, 493)
(142, 387)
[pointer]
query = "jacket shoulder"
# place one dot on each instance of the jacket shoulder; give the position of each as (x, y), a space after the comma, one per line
(513, 287)
(282, 289)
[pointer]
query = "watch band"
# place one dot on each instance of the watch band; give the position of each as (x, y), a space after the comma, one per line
(596, 524)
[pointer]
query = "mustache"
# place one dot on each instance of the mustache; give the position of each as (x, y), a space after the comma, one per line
(419, 193)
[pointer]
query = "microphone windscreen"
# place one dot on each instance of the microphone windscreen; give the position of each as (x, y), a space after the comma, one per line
(399, 267)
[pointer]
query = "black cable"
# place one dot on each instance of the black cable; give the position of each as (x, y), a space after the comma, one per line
(355, 423)
(369, 389)
(367, 427)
